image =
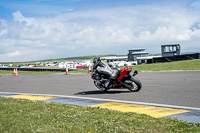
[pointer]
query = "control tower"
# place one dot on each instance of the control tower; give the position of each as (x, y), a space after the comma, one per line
(170, 50)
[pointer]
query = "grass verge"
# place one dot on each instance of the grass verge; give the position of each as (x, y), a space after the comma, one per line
(28, 72)
(38, 72)
(169, 66)
(19, 115)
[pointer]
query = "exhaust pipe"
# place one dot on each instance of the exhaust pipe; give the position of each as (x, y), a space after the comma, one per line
(125, 85)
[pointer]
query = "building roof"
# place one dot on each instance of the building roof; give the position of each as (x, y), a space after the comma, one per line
(139, 53)
(137, 49)
(148, 57)
(170, 45)
(114, 57)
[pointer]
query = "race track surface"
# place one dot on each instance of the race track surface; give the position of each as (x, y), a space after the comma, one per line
(180, 88)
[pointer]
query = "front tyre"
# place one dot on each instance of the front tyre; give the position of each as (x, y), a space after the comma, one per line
(135, 84)
(100, 86)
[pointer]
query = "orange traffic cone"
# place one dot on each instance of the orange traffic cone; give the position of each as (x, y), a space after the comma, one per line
(89, 69)
(66, 70)
(15, 72)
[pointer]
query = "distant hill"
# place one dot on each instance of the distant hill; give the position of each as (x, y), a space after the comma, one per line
(76, 58)
(63, 59)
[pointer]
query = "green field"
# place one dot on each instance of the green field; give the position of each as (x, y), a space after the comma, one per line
(38, 72)
(170, 66)
(25, 116)
(77, 58)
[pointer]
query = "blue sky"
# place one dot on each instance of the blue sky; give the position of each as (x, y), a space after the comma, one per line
(44, 29)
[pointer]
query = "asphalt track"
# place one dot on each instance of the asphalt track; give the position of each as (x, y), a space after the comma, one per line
(177, 88)
(180, 88)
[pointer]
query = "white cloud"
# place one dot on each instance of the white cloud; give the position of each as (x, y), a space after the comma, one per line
(3, 32)
(14, 54)
(102, 31)
(18, 17)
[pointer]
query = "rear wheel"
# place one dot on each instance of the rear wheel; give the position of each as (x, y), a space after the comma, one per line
(135, 84)
(99, 85)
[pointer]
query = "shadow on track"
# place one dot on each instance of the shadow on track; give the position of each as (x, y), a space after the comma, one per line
(100, 92)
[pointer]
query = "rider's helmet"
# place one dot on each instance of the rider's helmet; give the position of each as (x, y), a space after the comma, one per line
(96, 60)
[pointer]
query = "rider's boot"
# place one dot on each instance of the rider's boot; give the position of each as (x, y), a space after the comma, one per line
(106, 85)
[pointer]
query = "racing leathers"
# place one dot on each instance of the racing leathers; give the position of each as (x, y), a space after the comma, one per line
(105, 69)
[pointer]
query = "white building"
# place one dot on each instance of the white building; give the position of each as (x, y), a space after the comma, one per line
(137, 52)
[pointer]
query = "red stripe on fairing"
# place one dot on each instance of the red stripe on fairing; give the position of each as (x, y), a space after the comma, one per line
(124, 71)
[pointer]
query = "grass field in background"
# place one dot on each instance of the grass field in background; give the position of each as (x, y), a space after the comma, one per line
(169, 66)
(35, 116)
(77, 58)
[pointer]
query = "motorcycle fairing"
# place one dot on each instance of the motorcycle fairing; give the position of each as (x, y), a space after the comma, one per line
(123, 72)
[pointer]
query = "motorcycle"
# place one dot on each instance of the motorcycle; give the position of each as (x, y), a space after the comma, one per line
(125, 79)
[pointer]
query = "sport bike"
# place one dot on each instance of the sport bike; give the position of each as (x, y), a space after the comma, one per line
(115, 78)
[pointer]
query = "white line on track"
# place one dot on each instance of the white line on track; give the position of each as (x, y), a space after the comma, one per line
(109, 100)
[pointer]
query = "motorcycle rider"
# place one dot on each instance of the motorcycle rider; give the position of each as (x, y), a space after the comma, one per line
(105, 69)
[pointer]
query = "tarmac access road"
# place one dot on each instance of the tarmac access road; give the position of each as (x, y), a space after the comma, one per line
(179, 88)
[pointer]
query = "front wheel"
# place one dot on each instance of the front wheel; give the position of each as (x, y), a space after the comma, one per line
(100, 86)
(135, 84)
